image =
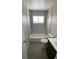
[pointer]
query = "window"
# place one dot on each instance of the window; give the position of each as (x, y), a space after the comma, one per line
(35, 19)
(38, 19)
(41, 19)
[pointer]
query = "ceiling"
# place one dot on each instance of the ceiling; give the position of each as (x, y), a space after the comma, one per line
(38, 4)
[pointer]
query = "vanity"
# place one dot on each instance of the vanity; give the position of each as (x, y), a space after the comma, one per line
(52, 48)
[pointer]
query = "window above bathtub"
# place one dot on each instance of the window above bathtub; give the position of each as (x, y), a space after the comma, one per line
(38, 19)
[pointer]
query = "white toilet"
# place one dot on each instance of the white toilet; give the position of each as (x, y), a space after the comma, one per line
(44, 43)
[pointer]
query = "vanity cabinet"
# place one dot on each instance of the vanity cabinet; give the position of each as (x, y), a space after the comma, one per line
(51, 52)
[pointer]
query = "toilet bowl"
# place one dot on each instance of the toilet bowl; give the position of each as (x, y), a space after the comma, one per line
(44, 43)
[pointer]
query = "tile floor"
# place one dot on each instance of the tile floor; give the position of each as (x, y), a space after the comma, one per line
(36, 51)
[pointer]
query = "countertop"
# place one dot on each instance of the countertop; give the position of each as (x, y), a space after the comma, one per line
(53, 41)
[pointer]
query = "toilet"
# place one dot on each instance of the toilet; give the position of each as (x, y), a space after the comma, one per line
(44, 42)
